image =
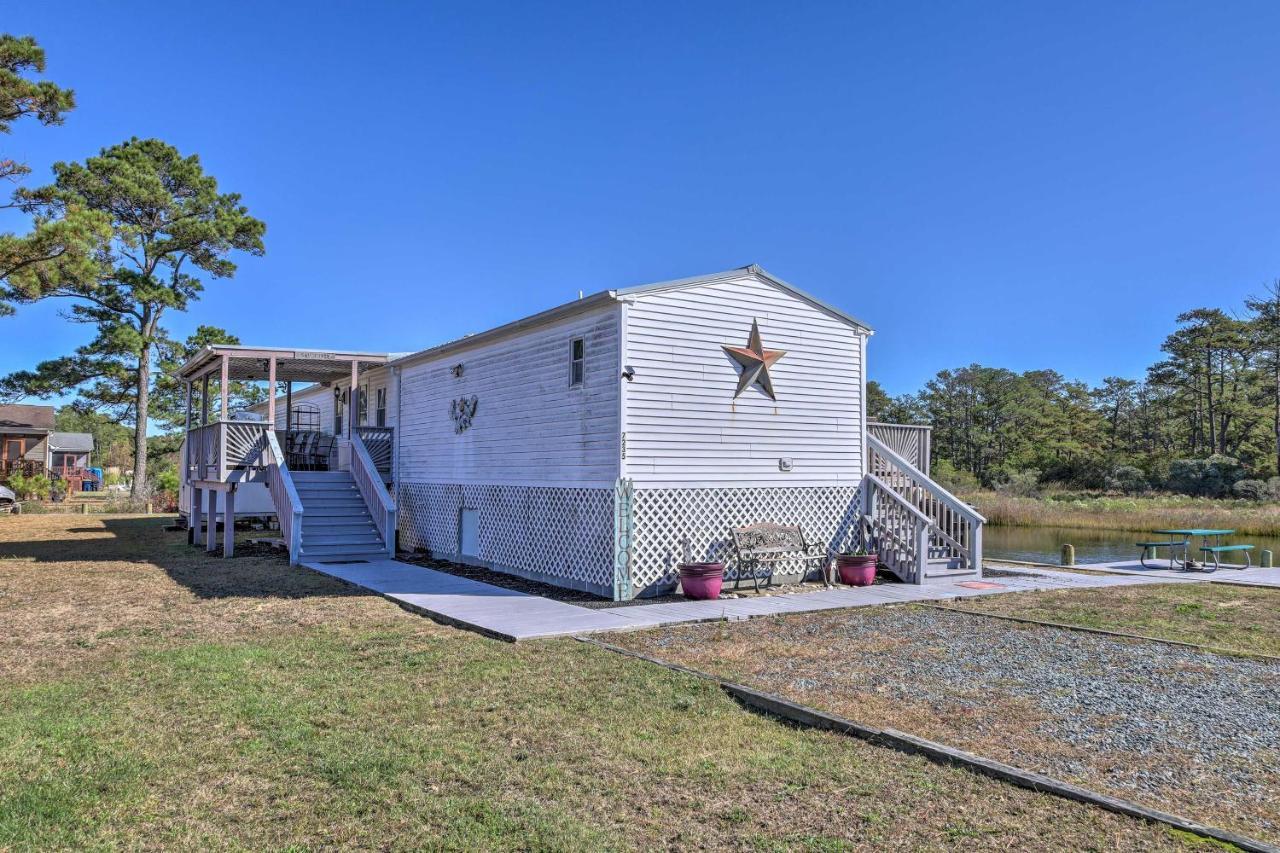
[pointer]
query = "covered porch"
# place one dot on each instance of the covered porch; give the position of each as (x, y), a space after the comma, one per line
(227, 450)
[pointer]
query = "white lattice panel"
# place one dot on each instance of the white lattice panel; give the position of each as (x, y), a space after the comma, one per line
(561, 535)
(664, 518)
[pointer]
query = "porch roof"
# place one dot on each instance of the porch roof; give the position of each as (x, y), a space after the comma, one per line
(292, 365)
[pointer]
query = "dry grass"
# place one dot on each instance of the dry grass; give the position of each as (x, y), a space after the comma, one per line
(811, 658)
(154, 697)
(1115, 513)
(1224, 617)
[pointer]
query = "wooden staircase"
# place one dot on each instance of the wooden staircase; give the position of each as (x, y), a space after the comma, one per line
(922, 532)
(336, 523)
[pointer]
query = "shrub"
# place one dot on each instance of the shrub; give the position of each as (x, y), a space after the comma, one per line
(952, 478)
(1127, 479)
(1252, 490)
(30, 487)
(1212, 477)
(1023, 484)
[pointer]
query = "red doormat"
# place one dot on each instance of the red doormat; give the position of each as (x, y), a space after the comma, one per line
(980, 585)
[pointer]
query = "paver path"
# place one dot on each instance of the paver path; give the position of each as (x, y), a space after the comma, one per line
(511, 615)
(1255, 576)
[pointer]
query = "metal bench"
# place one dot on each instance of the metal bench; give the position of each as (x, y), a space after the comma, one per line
(1215, 550)
(1150, 548)
(768, 544)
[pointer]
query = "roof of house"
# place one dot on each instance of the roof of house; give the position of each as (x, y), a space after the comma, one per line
(74, 442)
(20, 418)
(604, 297)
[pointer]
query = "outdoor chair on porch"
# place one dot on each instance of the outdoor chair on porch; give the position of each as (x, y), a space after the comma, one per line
(297, 449)
(322, 451)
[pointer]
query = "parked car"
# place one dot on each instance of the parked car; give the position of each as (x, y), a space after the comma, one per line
(9, 501)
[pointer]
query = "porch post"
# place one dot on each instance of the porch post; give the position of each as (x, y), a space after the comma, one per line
(188, 384)
(229, 522)
(288, 404)
(211, 529)
(271, 391)
(351, 398)
(193, 516)
(226, 372)
(204, 401)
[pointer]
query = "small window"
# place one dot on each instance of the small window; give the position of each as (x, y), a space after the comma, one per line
(339, 403)
(362, 405)
(380, 407)
(577, 361)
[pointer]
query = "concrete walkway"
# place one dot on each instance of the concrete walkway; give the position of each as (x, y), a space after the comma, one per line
(510, 615)
(1237, 575)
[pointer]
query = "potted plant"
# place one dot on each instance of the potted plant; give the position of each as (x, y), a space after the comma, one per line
(701, 580)
(857, 567)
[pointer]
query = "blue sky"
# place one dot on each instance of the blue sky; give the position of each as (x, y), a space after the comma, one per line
(1014, 184)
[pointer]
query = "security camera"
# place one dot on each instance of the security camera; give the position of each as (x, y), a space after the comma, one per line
(628, 372)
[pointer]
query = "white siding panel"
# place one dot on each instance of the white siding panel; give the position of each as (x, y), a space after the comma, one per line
(684, 427)
(530, 427)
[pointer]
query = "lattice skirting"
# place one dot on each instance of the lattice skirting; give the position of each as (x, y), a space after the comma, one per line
(665, 518)
(562, 536)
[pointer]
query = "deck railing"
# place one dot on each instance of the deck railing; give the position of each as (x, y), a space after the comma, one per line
(215, 450)
(371, 487)
(909, 441)
(25, 467)
(380, 442)
(897, 530)
(955, 531)
(284, 495)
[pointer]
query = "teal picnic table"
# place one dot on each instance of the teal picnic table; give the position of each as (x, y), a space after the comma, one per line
(1179, 542)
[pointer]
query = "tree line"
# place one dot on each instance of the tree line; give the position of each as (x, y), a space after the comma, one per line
(127, 237)
(1204, 419)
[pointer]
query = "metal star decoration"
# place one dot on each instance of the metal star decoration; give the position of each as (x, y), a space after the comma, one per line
(755, 361)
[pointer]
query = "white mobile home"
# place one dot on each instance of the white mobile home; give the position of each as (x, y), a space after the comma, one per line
(594, 446)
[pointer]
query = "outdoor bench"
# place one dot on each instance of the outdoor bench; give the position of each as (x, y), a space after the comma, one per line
(1215, 550)
(766, 545)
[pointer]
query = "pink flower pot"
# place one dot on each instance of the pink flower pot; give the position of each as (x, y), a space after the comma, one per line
(701, 580)
(857, 570)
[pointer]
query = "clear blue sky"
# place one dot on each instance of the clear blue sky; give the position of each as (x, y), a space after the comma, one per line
(1012, 184)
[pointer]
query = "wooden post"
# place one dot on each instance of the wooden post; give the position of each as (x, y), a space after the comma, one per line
(351, 398)
(188, 384)
(224, 389)
(1068, 555)
(229, 522)
(204, 401)
(271, 391)
(288, 404)
(1266, 560)
(211, 524)
(193, 518)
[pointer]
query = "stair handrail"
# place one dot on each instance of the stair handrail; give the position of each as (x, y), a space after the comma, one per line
(915, 544)
(925, 482)
(284, 494)
(382, 507)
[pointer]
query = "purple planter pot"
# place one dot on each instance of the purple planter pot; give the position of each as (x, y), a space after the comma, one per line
(857, 570)
(701, 580)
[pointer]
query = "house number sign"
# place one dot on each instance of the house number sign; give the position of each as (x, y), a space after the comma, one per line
(463, 411)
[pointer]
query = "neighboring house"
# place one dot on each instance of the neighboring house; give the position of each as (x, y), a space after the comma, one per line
(29, 444)
(594, 445)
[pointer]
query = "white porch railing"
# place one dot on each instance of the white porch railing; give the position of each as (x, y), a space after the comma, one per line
(284, 495)
(369, 483)
(955, 528)
(898, 532)
(215, 450)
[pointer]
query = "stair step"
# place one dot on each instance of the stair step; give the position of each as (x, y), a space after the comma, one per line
(343, 551)
(328, 491)
(326, 501)
(363, 539)
(337, 524)
(949, 573)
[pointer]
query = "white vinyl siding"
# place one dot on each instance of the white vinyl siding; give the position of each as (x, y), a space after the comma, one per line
(530, 426)
(685, 429)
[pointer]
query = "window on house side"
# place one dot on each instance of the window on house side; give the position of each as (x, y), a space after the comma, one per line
(577, 362)
(380, 407)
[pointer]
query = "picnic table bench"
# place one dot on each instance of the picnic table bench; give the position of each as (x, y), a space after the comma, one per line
(769, 544)
(1215, 550)
(1179, 542)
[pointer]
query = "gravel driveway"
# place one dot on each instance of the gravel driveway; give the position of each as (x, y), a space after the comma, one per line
(1194, 733)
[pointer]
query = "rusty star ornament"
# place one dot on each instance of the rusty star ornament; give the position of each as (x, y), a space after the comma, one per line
(755, 361)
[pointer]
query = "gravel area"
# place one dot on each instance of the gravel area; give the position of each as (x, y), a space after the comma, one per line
(1195, 733)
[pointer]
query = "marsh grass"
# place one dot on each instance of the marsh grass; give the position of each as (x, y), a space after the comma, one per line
(1106, 512)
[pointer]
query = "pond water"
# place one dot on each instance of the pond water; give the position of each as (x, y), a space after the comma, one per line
(1044, 544)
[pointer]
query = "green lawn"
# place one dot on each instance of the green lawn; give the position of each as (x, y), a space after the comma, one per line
(1225, 617)
(151, 696)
